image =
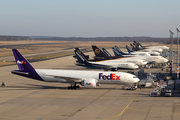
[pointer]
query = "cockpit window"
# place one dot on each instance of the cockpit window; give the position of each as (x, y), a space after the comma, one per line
(134, 77)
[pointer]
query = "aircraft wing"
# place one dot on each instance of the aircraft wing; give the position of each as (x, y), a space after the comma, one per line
(69, 79)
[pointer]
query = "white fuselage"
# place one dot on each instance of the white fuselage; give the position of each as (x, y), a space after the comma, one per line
(157, 59)
(157, 47)
(141, 53)
(117, 64)
(101, 77)
(153, 50)
(131, 59)
(138, 53)
(154, 53)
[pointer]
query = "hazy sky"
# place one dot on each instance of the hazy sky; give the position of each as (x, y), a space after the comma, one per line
(89, 18)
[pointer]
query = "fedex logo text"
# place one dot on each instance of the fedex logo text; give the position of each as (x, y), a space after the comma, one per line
(89, 84)
(112, 76)
(21, 62)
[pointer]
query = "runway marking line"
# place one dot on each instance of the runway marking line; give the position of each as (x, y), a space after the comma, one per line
(109, 118)
(124, 108)
(151, 111)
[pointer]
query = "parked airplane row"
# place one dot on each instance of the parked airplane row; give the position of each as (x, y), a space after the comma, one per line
(103, 59)
(136, 46)
(89, 79)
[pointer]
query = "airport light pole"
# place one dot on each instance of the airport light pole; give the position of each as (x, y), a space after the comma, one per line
(171, 48)
(177, 54)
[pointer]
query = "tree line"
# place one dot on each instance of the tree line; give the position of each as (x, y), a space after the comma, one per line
(14, 38)
(123, 39)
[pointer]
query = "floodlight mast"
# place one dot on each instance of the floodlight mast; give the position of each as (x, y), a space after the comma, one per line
(177, 54)
(171, 48)
(171, 31)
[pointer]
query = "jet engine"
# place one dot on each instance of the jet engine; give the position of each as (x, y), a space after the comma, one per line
(89, 83)
(113, 69)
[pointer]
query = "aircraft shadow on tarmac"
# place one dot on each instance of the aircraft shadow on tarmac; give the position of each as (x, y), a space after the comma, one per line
(33, 86)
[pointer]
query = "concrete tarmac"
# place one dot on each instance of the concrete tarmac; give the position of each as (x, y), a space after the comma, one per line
(27, 99)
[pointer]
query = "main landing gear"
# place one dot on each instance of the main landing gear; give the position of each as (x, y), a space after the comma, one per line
(73, 86)
(134, 87)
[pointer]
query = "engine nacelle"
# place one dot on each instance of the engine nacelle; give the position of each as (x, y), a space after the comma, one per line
(113, 69)
(89, 83)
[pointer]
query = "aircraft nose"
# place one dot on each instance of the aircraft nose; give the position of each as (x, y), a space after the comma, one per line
(137, 80)
(145, 62)
(158, 54)
(136, 66)
(165, 60)
(160, 50)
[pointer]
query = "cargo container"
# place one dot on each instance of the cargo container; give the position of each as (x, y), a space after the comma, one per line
(168, 93)
(170, 84)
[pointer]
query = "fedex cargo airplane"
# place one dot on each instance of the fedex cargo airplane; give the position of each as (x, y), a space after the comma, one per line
(88, 79)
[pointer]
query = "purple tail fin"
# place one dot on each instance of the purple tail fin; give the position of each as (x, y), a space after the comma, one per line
(21, 62)
(25, 68)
